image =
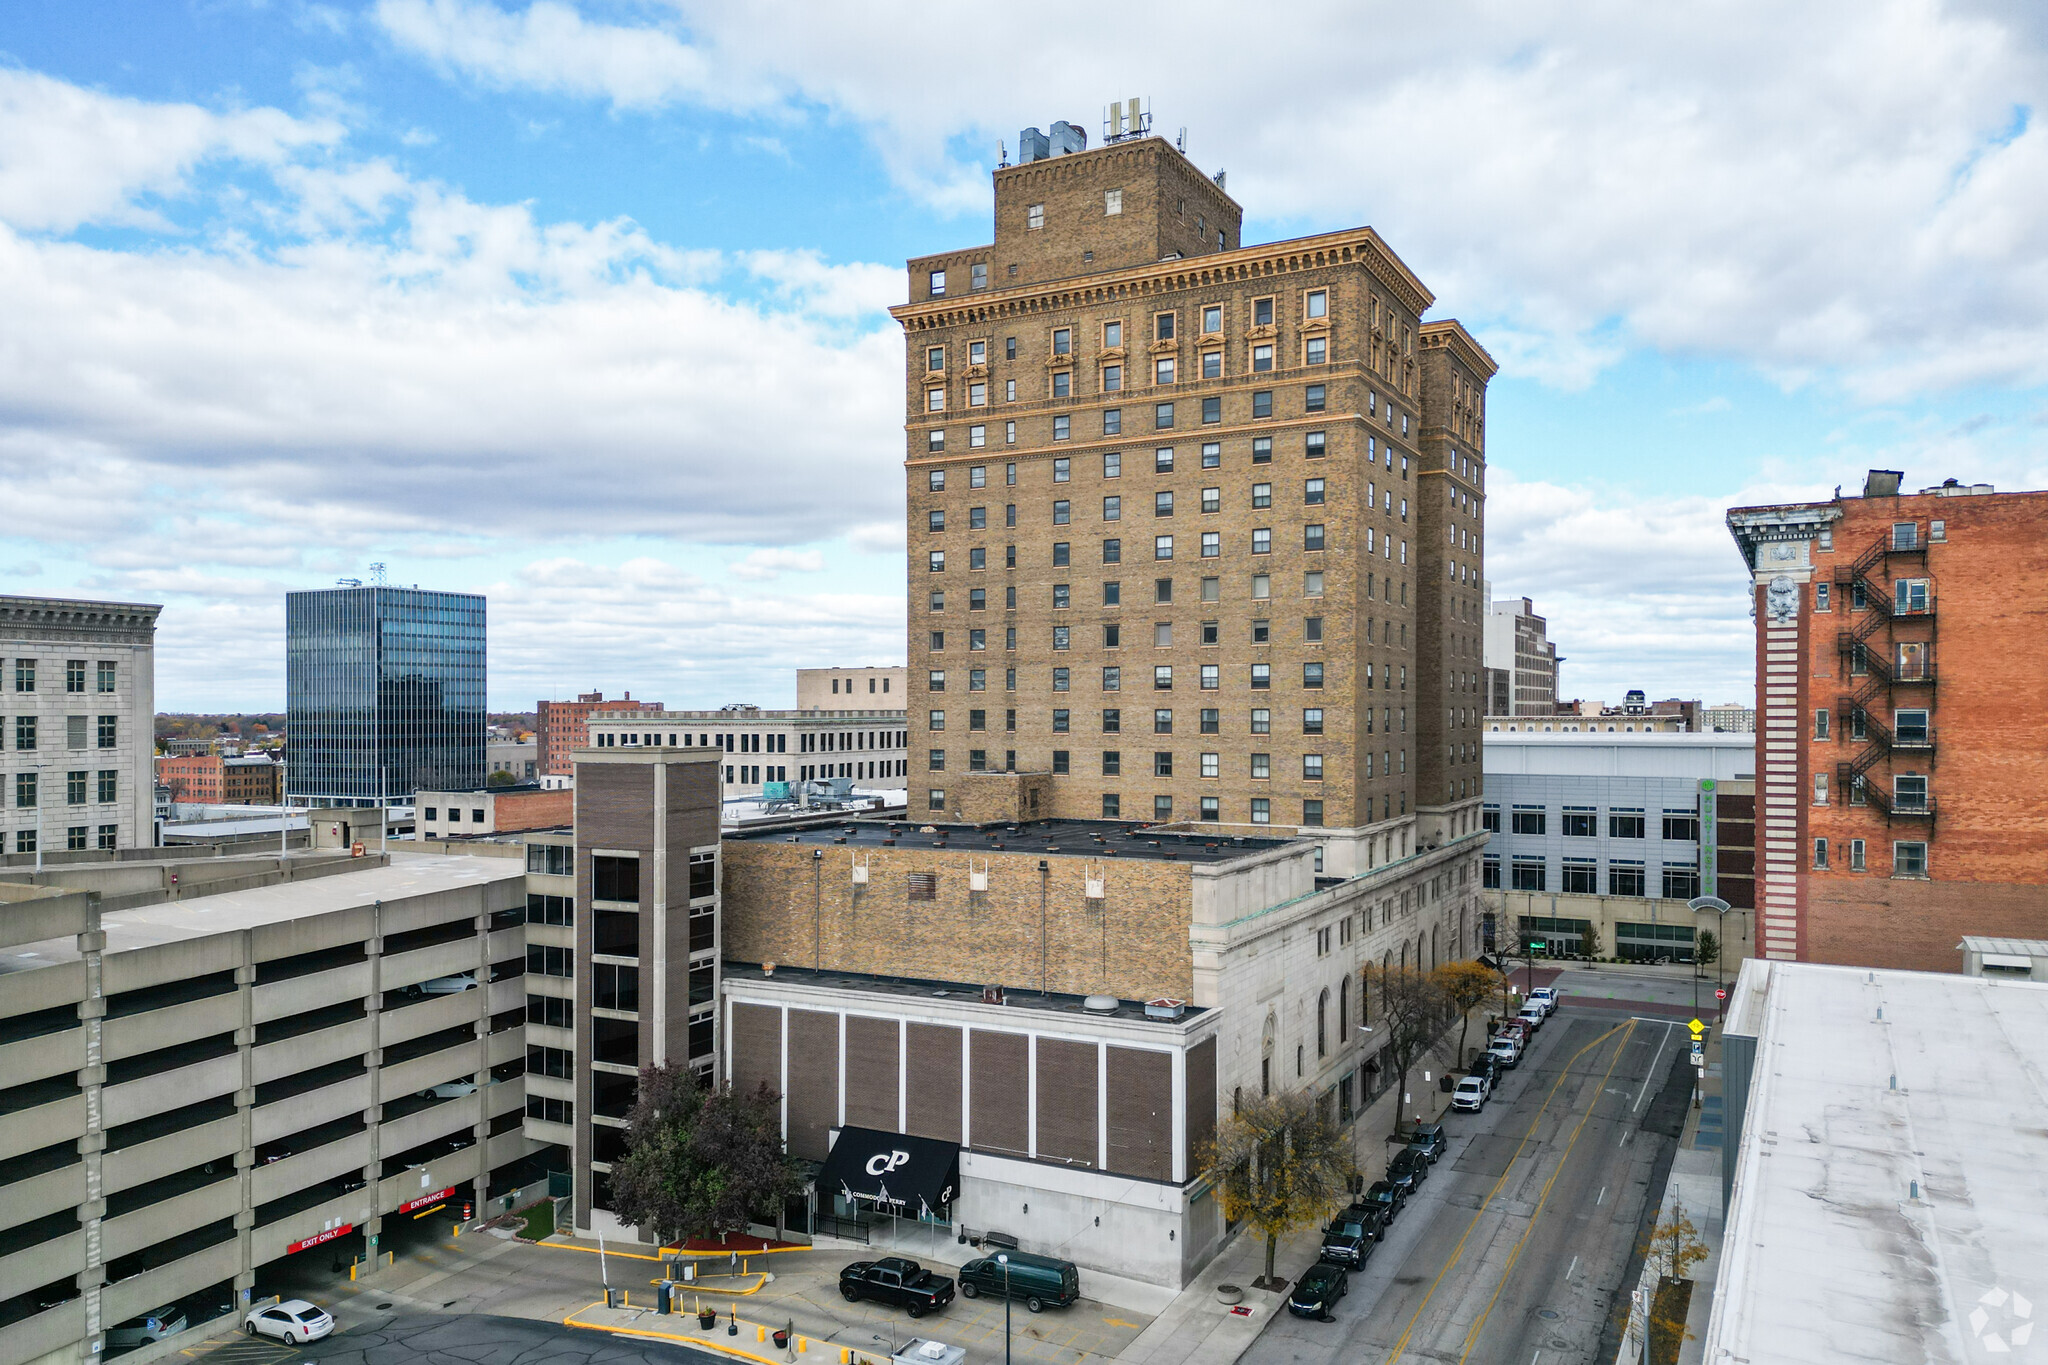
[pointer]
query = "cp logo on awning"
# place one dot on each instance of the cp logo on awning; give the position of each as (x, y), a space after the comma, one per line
(881, 1163)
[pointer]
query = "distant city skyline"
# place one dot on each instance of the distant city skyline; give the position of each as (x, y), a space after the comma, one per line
(514, 299)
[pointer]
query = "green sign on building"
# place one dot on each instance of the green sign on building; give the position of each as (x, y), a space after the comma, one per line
(1708, 838)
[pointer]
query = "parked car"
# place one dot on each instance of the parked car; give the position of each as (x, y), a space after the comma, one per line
(1546, 996)
(897, 1281)
(1035, 1280)
(1351, 1235)
(294, 1322)
(1388, 1196)
(1403, 1179)
(1507, 1053)
(1316, 1293)
(444, 985)
(1410, 1163)
(154, 1325)
(448, 1090)
(1430, 1140)
(1517, 1029)
(1486, 1068)
(1470, 1094)
(1534, 1015)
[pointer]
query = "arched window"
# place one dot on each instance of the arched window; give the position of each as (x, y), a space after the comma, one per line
(1365, 996)
(1236, 1098)
(1343, 1010)
(1323, 1024)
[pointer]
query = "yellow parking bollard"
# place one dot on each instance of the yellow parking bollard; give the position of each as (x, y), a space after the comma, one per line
(760, 1334)
(803, 1344)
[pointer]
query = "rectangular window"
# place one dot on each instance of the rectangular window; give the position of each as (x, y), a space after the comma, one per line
(1857, 861)
(1162, 547)
(1062, 428)
(1489, 819)
(1062, 341)
(1820, 855)
(1162, 417)
(24, 732)
(1212, 410)
(1262, 587)
(1820, 597)
(106, 675)
(24, 675)
(108, 731)
(1313, 446)
(1112, 594)
(1112, 335)
(1262, 540)
(1318, 304)
(1060, 721)
(977, 397)
(1313, 400)
(1681, 881)
(1318, 350)
(1162, 327)
(1262, 450)
(1212, 365)
(1580, 876)
(1909, 859)
(74, 675)
(1312, 536)
(1062, 511)
(1212, 319)
(1581, 822)
(1312, 767)
(1112, 550)
(1262, 358)
(1034, 217)
(1262, 677)
(1625, 824)
(1624, 878)
(1489, 878)
(1062, 554)
(1262, 721)
(1527, 874)
(1820, 789)
(108, 786)
(1112, 678)
(1112, 721)
(1528, 820)
(1820, 723)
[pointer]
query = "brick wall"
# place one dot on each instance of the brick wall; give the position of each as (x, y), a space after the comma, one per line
(533, 810)
(1027, 930)
(1987, 847)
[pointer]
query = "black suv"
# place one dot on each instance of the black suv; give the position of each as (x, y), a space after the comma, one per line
(1411, 1164)
(1350, 1237)
(1388, 1196)
(1430, 1140)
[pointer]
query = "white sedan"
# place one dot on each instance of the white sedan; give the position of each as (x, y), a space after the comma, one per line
(294, 1321)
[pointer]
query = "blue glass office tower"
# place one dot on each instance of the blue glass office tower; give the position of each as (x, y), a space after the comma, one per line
(384, 691)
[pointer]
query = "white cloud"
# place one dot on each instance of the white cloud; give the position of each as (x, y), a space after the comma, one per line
(767, 565)
(69, 155)
(1846, 187)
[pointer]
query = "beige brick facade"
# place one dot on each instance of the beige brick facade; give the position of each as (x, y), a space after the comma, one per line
(1313, 451)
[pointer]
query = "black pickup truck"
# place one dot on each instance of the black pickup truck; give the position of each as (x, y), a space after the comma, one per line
(895, 1280)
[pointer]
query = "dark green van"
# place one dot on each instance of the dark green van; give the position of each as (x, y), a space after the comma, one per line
(1040, 1281)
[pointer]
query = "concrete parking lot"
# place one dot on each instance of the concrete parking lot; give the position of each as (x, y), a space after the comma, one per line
(484, 1273)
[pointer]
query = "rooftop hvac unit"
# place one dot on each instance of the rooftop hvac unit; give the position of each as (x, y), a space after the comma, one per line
(1032, 145)
(1067, 139)
(1165, 1008)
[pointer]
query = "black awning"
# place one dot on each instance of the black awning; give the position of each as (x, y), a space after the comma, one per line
(895, 1171)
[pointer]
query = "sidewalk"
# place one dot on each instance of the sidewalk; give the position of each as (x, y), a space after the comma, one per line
(1198, 1328)
(1695, 1183)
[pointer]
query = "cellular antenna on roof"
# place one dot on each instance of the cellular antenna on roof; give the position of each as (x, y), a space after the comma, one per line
(1126, 120)
(377, 573)
(1180, 144)
(1002, 154)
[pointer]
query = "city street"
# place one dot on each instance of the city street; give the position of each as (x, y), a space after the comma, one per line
(1511, 1252)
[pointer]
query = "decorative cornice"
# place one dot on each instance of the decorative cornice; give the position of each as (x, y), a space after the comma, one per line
(1754, 526)
(58, 618)
(1354, 246)
(1451, 334)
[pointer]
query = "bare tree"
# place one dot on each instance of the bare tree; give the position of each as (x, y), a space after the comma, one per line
(1280, 1164)
(1414, 1011)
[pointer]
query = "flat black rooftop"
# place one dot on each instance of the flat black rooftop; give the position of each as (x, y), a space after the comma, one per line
(1014, 997)
(1071, 838)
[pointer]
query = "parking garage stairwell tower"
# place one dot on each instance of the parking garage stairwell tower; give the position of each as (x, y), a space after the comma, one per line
(1195, 528)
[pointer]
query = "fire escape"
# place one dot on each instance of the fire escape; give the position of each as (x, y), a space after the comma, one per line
(1887, 656)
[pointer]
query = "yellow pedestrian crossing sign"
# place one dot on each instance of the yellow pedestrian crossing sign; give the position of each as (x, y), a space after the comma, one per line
(1697, 1028)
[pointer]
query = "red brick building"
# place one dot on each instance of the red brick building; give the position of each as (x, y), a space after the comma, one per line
(1902, 674)
(196, 778)
(562, 727)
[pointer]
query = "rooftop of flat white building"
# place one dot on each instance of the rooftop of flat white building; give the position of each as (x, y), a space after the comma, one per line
(1888, 1197)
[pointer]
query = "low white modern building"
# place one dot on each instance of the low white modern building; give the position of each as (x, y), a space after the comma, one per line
(1883, 1168)
(1614, 834)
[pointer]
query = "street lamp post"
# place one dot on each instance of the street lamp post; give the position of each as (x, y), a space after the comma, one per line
(1720, 909)
(1003, 1260)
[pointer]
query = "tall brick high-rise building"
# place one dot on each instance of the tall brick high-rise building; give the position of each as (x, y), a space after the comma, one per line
(1196, 527)
(1902, 669)
(560, 728)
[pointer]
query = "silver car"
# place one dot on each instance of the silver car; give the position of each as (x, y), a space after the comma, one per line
(166, 1321)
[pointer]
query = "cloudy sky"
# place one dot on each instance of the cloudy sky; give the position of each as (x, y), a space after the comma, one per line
(580, 305)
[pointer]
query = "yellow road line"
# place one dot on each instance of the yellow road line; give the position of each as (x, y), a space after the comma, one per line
(759, 1278)
(1402, 1345)
(1472, 1336)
